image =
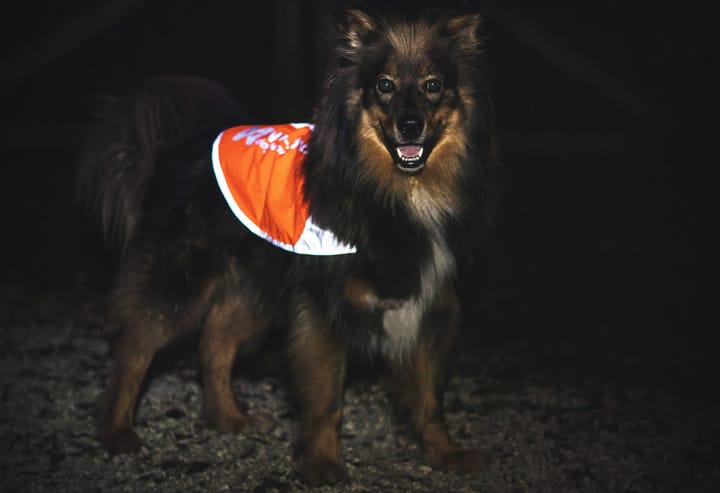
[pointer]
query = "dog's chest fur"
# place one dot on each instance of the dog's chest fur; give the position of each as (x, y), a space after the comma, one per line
(401, 324)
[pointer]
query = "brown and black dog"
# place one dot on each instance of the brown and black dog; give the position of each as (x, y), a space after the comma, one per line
(398, 166)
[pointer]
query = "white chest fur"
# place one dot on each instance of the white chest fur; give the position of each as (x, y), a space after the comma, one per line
(402, 325)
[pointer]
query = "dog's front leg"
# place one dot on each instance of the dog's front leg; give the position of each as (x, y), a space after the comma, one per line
(318, 363)
(419, 383)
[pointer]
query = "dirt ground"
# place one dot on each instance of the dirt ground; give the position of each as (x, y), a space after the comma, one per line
(546, 421)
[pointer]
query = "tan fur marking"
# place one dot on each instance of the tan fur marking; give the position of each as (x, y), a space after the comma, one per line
(437, 193)
(359, 294)
(146, 331)
(378, 166)
(228, 325)
(432, 193)
(319, 370)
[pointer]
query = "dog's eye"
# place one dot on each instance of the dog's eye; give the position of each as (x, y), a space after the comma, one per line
(433, 86)
(385, 86)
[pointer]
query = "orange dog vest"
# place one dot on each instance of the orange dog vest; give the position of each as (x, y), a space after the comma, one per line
(258, 171)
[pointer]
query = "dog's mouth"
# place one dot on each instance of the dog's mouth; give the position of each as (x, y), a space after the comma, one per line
(410, 158)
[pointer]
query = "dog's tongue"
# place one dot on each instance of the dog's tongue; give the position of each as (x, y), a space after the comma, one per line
(410, 152)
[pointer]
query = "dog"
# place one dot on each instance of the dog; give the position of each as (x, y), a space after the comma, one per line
(393, 174)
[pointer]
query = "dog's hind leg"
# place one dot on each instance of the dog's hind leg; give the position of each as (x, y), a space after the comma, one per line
(229, 324)
(133, 353)
(151, 317)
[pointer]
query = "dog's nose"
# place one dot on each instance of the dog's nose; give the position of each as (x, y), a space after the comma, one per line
(410, 126)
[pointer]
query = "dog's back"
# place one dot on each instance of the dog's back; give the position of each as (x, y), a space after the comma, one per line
(119, 156)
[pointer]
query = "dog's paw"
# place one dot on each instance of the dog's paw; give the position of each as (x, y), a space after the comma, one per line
(122, 441)
(462, 461)
(243, 424)
(320, 472)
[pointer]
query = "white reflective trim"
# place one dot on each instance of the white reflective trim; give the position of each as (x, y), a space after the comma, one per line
(317, 241)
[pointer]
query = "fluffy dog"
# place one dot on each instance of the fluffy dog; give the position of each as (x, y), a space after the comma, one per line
(397, 167)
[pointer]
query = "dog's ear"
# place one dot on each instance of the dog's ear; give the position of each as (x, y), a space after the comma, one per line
(356, 28)
(464, 30)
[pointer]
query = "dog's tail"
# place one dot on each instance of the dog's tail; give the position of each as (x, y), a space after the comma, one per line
(118, 157)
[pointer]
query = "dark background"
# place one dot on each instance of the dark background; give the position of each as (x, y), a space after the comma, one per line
(605, 254)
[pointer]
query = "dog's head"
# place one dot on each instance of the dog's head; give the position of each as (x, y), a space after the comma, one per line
(412, 82)
(404, 115)
(414, 89)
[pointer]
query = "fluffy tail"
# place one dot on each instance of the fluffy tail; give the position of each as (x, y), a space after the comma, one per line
(118, 158)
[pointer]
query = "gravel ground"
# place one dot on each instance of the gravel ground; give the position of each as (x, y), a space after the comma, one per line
(541, 432)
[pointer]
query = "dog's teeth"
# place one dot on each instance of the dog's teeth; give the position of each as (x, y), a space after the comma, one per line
(410, 157)
(409, 153)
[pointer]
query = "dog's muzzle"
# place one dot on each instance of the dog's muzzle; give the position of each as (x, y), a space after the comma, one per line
(410, 153)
